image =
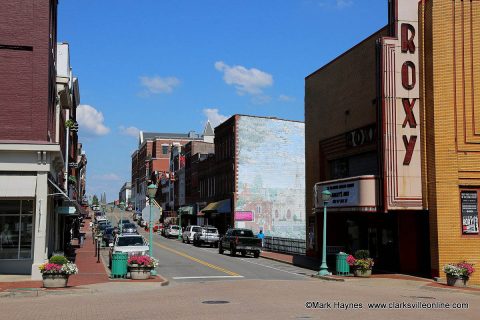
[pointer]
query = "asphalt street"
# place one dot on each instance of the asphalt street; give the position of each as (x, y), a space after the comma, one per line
(181, 262)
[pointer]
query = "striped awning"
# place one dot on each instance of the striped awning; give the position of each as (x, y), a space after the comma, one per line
(216, 207)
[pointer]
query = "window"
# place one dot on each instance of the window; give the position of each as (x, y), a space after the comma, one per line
(164, 148)
(16, 229)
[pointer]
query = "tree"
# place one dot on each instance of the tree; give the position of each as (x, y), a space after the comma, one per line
(95, 200)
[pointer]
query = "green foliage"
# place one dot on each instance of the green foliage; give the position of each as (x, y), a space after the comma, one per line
(362, 254)
(69, 123)
(59, 260)
(95, 200)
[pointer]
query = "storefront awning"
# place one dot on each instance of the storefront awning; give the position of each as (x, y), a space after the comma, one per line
(217, 207)
(18, 186)
(186, 210)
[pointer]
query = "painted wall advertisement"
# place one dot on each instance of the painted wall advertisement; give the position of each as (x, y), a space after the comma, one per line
(271, 177)
(469, 203)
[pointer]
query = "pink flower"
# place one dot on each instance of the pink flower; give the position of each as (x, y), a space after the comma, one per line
(468, 268)
(351, 260)
(140, 260)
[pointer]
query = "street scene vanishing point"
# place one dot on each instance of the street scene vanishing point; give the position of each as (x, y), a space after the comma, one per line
(296, 159)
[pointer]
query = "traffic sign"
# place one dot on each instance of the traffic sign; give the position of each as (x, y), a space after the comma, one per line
(155, 214)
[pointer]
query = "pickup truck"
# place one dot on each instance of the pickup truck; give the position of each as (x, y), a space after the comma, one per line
(240, 240)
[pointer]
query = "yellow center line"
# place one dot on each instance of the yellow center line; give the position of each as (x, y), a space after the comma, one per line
(212, 266)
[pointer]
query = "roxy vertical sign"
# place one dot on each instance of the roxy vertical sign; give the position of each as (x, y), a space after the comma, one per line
(400, 109)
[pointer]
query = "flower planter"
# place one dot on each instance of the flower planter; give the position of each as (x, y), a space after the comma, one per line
(455, 281)
(362, 273)
(139, 273)
(58, 280)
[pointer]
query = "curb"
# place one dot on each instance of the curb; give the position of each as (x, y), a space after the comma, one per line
(328, 278)
(287, 262)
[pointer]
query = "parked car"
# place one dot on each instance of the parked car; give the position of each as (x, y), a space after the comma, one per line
(189, 233)
(123, 221)
(129, 228)
(133, 244)
(240, 240)
(172, 231)
(109, 235)
(208, 235)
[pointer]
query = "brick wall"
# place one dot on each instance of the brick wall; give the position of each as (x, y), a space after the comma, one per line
(339, 97)
(27, 81)
(450, 48)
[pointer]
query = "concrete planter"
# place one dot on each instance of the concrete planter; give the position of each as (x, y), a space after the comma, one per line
(55, 280)
(139, 272)
(456, 281)
(362, 273)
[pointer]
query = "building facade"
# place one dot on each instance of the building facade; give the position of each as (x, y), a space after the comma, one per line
(125, 193)
(389, 145)
(449, 80)
(152, 162)
(36, 143)
(257, 180)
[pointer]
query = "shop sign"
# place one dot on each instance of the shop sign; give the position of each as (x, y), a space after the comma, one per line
(243, 216)
(361, 136)
(356, 193)
(401, 103)
(469, 203)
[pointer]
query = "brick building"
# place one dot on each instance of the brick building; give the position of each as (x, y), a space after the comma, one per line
(152, 161)
(38, 140)
(256, 180)
(397, 144)
(190, 202)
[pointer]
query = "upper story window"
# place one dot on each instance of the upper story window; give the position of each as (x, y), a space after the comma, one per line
(164, 148)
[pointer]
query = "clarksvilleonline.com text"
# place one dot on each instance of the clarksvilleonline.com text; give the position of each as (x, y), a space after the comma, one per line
(339, 305)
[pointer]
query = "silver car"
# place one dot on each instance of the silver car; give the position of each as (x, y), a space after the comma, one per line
(208, 235)
(189, 233)
(132, 244)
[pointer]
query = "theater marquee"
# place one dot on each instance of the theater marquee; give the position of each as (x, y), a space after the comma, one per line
(400, 102)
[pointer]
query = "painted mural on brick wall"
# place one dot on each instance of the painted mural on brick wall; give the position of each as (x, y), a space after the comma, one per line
(271, 177)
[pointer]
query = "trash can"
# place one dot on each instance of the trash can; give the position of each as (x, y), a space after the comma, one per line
(119, 265)
(343, 269)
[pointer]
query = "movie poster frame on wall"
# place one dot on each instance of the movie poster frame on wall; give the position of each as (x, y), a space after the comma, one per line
(469, 211)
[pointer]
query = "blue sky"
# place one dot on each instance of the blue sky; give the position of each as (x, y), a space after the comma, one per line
(170, 65)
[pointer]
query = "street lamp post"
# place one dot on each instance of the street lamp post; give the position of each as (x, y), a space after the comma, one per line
(152, 190)
(326, 195)
(122, 207)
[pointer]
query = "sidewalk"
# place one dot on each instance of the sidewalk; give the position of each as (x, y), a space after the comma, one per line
(89, 271)
(313, 263)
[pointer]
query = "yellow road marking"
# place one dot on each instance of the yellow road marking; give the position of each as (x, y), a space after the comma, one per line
(212, 266)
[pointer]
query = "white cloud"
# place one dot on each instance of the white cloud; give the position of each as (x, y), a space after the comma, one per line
(285, 98)
(335, 4)
(107, 177)
(251, 81)
(158, 84)
(214, 117)
(90, 121)
(130, 131)
(344, 3)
